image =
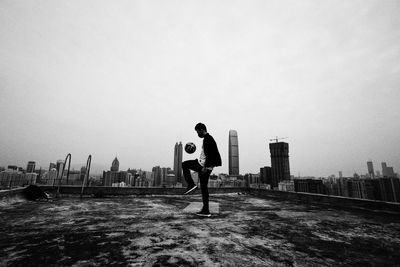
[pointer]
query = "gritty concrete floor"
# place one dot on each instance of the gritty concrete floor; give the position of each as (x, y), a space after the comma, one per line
(162, 231)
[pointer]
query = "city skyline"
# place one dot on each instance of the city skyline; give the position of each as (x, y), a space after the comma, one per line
(130, 78)
(368, 172)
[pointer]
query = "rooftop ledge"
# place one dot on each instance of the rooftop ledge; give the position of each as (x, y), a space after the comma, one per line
(248, 227)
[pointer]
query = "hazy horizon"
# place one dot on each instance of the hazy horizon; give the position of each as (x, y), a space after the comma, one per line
(132, 78)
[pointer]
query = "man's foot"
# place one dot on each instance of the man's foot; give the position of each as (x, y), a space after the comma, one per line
(203, 214)
(190, 189)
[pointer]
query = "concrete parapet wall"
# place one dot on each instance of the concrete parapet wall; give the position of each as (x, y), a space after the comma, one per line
(11, 192)
(336, 201)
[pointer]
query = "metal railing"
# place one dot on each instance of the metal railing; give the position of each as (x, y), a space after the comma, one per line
(85, 179)
(62, 173)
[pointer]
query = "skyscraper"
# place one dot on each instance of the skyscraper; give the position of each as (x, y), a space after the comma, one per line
(115, 165)
(371, 169)
(280, 169)
(233, 153)
(30, 168)
(178, 162)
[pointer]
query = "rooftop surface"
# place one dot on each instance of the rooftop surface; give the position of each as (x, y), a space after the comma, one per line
(164, 231)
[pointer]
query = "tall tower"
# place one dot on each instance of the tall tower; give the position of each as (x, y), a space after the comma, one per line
(279, 162)
(233, 153)
(115, 165)
(178, 162)
(371, 169)
(30, 167)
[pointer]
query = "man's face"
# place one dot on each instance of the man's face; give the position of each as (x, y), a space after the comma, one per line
(201, 133)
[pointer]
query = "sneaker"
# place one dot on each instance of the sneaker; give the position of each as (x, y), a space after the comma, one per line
(190, 189)
(203, 214)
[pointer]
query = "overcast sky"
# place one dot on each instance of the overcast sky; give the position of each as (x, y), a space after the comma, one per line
(131, 78)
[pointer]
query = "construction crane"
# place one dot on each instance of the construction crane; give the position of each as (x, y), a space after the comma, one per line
(276, 139)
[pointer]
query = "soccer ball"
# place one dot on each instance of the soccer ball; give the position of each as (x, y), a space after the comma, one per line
(190, 148)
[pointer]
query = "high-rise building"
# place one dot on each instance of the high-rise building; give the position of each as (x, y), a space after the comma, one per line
(113, 177)
(265, 175)
(384, 169)
(252, 180)
(119, 178)
(115, 165)
(59, 168)
(340, 174)
(390, 172)
(178, 163)
(164, 175)
(371, 169)
(82, 173)
(387, 171)
(369, 189)
(12, 167)
(357, 188)
(30, 168)
(308, 186)
(157, 175)
(51, 176)
(280, 169)
(343, 187)
(388, 189)
(233, 153)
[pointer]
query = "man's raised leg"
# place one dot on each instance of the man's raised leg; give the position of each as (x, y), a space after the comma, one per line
(186, 167)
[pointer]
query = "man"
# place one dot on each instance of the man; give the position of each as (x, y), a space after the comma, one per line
(209, 158)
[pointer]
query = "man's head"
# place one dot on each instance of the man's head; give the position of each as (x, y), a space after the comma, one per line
(201, 129)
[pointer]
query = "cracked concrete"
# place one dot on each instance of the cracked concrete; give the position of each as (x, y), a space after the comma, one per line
(164, 231)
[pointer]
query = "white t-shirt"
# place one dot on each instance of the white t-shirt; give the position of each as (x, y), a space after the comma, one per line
(202, 159)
